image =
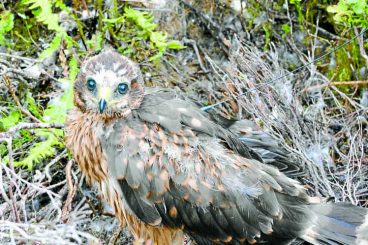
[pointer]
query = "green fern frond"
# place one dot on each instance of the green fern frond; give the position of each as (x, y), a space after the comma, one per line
(32, 107)
(73, 72)
(6, 25)
(40, 151)
(10, 120)
(54, 46)
(60, 4)
(42, 10)
(55, 112)
(143, 20)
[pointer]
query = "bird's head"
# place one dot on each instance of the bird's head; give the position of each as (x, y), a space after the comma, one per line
(109, 84)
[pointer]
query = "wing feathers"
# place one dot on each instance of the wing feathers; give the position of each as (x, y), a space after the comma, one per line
(174, 168)
(146, 212)
(135, 175)
(269, 203)
(214, 231)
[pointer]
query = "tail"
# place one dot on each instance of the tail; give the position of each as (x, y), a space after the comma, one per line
(362, 231)
(337, 223)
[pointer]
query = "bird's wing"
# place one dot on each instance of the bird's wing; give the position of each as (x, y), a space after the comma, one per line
(171, 110)
(174, 169)
(262, 143)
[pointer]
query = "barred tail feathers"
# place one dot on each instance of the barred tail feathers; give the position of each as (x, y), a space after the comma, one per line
(337, 223)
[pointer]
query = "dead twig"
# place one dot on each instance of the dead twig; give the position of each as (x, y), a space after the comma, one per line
(212, 26)
(72, 188)
(20, 57)
(13, 182)
(195, 47)
(330, 84)
(15, 98)
(55, 160)
(10, 133)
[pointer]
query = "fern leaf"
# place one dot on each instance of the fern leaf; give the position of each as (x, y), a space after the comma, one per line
(10, 120)
(40, 151)
(53, 47)
(42, 10)
(55, 112)
(142, 19)
(32, 107)
(6, 25)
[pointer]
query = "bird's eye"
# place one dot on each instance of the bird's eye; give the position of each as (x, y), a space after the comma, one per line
(91, 84)
(122, 88)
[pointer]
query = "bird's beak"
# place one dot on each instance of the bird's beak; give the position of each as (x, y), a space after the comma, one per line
(104, 95)
(102, 105)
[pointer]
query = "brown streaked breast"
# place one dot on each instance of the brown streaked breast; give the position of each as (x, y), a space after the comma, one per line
(82, 141)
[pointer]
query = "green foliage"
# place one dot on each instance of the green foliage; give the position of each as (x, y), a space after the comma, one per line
(53, 46)
(143, 20)
(6, 25)
(299, 10)
(267, 28)
(347, 14)
(39, 152)
(138, 27)
(96, 42)
(159, 41)
(7, 121)
(55, 112)
(42, 10)
(350, 12)
(32, 106)
(286, 28)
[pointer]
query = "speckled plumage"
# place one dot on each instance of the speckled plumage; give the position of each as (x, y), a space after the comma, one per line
(166, 168)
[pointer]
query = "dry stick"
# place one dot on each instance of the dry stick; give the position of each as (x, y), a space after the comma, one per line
(19, 105)
(10, 133)
(85, 6)
(6, 69)
(13, 180)
(361, 46)
(195, 47)
(20, 57)
(72, 190)
(34, 186)
(212, 26)
(329, 84)
(20, 72)
(15, 98)
(55, 160)
(7, 137)
(350, 82)
(2, 190)
(343, 95)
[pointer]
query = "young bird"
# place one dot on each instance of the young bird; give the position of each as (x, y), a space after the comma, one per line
(168, 168)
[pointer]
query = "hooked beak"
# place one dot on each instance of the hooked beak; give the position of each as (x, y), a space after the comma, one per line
(102, 105)
(104, 94)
